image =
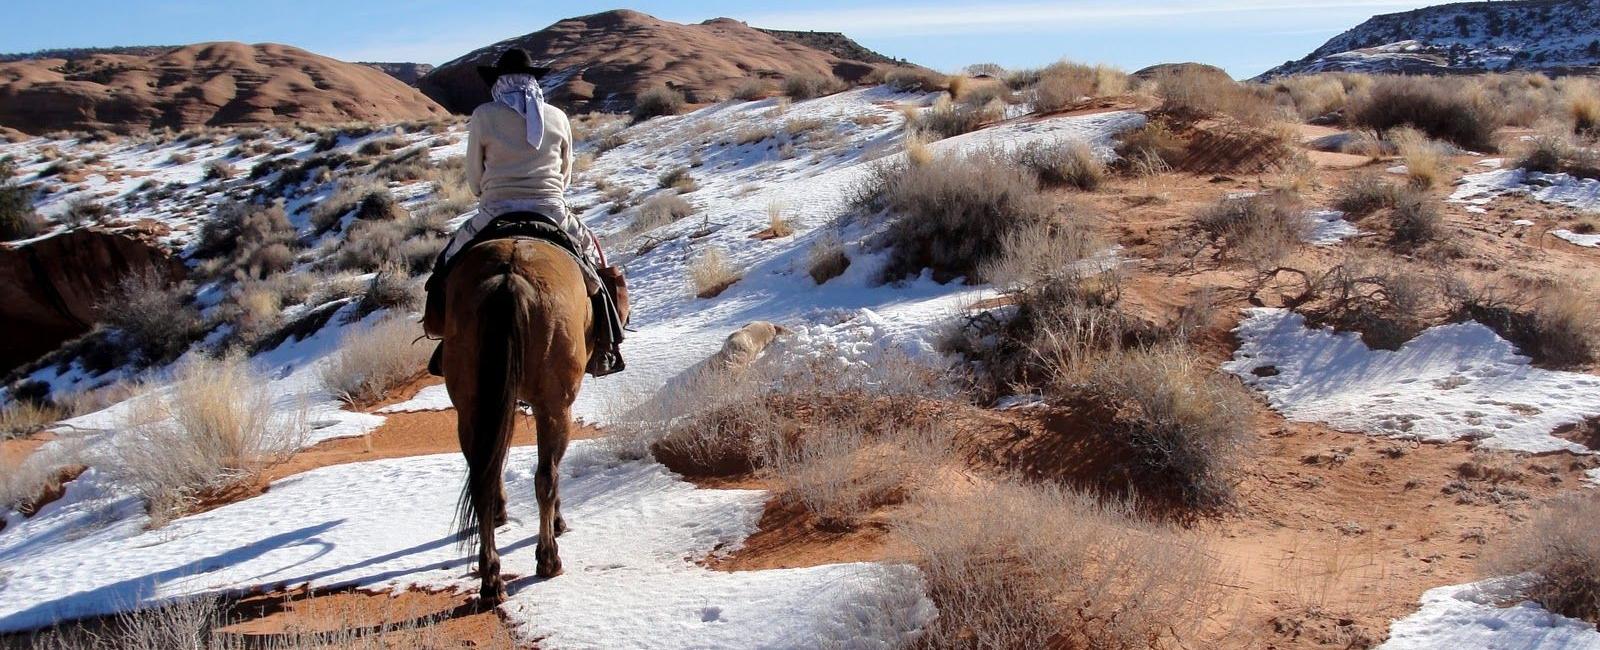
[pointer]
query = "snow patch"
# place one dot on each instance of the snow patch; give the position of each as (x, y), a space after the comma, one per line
(1473, 616)
(1452, 382)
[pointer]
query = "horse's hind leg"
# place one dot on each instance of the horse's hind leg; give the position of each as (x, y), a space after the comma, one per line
(492, 591)
(553, 432)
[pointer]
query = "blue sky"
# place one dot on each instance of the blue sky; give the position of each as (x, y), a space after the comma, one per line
(1244, 36)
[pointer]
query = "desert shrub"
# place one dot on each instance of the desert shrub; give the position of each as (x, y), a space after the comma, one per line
(1259, 228)
(1063, 83)
(214, 429)
(1425, 159)
(218, 169)
(82, 210)
(17, 217)
(1558, 153)
(842, 472)
(826, 259)
(1150, 149)
(180, 158)
(754, 134)
(1067, 163)
(1560, 555)
(751, 90)
(1415, 220)
(392, 287)
(1186, 424)
(1013, 565)
(1039, 252)
(677, 178)
(659, 210)
(380, 146)
(711, 273)
(252, 240)
(914, 79)
(1554, 325)
(1385, 299)
(379, 205)
(953, 214)
(1583, 106)
(351, 194)
(1363, 194)
(804, 85)
(656, 101)
(372, 362)
(153, 316)
(1442, 109)
(1315, 96)
(1197, 92)
(948, 119)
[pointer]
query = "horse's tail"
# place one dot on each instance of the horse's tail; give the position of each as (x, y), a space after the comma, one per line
(502, 328)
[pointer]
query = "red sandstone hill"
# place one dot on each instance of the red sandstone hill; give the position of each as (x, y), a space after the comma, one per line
(203, 84)
(603, 61)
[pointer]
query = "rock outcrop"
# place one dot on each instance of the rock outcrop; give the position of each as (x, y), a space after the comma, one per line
(50, 288)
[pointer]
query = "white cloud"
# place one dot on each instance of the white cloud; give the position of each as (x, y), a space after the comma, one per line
(903, 20)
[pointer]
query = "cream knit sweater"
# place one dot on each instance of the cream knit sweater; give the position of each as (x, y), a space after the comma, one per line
(502, 166)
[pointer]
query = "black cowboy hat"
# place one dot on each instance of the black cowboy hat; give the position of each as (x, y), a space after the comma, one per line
(514, 61)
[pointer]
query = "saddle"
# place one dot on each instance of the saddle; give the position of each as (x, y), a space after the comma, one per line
(610, 303)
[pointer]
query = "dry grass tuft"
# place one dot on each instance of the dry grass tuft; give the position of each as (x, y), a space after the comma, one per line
(842, 473)
(1068, 163)
(374, 361)
(1554, 325)
(710, 273)
(21, 417)
(1363, 194)
(658, 211)
(214, 429)
(1064, 83)
(1034, 566)
(1425, 159)
(808, 86)
(1193, 91)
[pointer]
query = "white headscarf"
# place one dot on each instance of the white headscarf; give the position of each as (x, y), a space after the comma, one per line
(521, 92)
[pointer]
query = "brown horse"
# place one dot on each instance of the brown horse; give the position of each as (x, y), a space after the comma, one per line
(518, 327)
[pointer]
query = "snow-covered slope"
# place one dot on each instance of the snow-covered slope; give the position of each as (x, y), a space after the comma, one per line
(1465, 36)
(631, 580)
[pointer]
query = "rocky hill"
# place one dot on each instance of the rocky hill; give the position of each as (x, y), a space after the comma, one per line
(203, 84)
(603, 61)
(834, 43)
(1552, 35)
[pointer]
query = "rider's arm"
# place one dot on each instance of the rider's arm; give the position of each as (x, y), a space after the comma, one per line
(474, 157)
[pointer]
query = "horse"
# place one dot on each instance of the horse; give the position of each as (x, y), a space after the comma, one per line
(519, 327)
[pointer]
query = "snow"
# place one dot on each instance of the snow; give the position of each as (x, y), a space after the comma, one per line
(1591, 241)
(385, 524)
(1452, 382)
(631, 578)
(1563, 189)
(1474, 616)
(1328, 227)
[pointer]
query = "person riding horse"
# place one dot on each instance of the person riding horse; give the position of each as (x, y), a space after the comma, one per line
(519, 164)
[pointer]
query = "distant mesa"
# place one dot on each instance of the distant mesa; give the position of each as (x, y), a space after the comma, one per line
(603, 61)
(1559, 36)
(206, 84)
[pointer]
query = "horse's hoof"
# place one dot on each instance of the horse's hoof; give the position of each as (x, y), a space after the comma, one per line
(490, 597)
(561, 525)
(548, 563)
(500, 520)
